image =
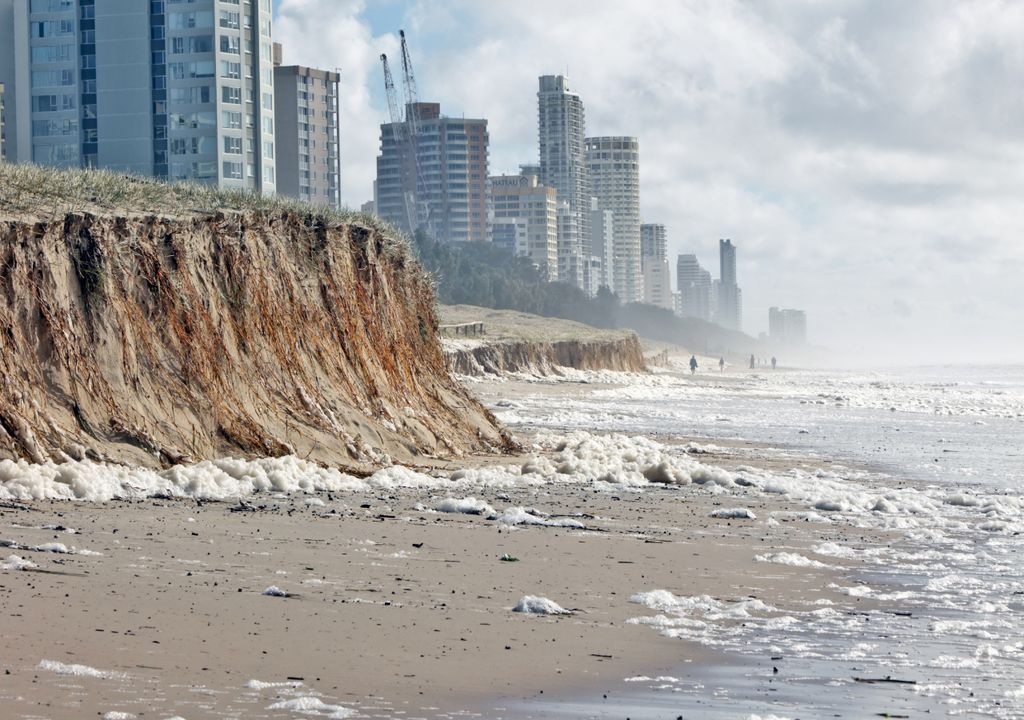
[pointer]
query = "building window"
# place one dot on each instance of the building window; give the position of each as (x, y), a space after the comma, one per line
(268, 101)
(268, 150)
(232, 146)
(232, 120)
(230, 44)
(232, 170)
(230, 70)
(231, 95)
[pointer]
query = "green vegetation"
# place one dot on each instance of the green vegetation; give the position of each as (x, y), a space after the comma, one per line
(484, 275)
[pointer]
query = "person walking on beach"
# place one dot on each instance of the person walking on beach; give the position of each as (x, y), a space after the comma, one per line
(693, 364)
(773, 362)
(752, 361)
(721, 364)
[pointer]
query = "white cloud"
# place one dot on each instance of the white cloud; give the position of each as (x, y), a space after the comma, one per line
(866, 158)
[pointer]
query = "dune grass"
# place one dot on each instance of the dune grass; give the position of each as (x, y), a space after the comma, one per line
(42, 192)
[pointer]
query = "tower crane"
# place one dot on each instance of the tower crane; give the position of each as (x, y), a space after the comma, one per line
(397, 125)
(412, 119)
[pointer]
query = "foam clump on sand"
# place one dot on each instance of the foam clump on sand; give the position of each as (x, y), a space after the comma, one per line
(530, 516)
(275, 591)
(262, 685)
(467, 506)
(534, 605)
(310, 705)
(79, 670)
(118, 715)
(16, 562)
(792, 559)
(733, 514)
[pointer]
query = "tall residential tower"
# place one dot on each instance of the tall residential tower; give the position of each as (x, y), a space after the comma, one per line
(730, 297)
(694, 283)
(167, 88)
(444, 170)
(613, 164)
(307, 132)
(561, 126)
(657, 275)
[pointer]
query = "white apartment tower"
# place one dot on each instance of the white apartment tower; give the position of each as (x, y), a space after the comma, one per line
(602, 244)
(524, 220)
(613, 165)
(657, 274)
(695, 288)
(175, 89)
(561, 132)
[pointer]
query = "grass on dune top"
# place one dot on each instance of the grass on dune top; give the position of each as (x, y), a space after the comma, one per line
(32, 191)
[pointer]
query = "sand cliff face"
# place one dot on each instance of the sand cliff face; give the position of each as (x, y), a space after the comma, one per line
(152, 340)
(545, 358)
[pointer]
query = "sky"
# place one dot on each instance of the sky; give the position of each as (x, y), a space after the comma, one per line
(865, 156)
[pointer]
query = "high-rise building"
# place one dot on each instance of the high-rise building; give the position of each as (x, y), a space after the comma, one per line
(730, 299)
(613, 164)
(307, 131)
(694, 284)
(524, 220)
(437, 180)
(570, 243)
(176, 90)
(787, 326)
(3, 126)
(653, 242)
(657, 275)
(561, 126)
(602, 244)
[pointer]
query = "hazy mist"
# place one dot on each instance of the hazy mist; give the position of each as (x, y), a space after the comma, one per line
(867, 158)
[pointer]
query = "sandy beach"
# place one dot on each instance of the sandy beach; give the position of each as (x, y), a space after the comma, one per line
(389, 605)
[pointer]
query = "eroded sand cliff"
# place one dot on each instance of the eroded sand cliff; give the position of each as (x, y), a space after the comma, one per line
(137, 332)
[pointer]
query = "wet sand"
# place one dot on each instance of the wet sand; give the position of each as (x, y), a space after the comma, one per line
(390, 607)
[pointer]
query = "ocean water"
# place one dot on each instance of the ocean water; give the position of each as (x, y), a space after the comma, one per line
(934, 456)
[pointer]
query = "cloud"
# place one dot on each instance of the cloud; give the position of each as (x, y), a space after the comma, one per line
(859, 153)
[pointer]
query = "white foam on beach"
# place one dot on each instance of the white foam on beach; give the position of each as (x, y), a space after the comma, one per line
(314, 706)
(119, 715)
(79, 670)
(15, 562)
(274, 591)
(733, 514)
(467, 505)
(535, 605)
(262, 685)
(788, 558)
(529, 516)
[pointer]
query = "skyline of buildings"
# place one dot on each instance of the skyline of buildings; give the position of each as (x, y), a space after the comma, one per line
(196, 90)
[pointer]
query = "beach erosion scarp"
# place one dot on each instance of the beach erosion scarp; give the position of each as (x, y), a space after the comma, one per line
(153, 324)
(483, 341)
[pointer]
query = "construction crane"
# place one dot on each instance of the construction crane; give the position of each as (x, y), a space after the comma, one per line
(397, 125)
(412, 119)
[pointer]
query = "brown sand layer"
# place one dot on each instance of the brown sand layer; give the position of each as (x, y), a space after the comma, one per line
(390, 606)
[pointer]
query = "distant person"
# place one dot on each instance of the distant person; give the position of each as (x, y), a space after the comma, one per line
(773, 362)
(752, 361)
(721, 364)
(693, 364)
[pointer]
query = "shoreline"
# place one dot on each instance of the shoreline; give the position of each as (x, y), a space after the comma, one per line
(405, 604)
